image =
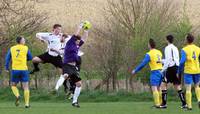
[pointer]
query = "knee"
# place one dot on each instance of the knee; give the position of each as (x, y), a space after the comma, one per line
(14, 84)
(36, 60)
(177, 87)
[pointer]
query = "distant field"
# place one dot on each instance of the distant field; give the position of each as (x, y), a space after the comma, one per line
(95, 108)
(69, 12)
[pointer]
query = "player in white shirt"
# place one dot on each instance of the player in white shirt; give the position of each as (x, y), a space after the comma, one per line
(171, 63)
(54, 52)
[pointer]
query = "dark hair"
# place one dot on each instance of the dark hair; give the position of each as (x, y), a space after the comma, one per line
(189, 38)
(78, 37)
(18, 39)
(170, 38)
(65, 35)
(56, 26)
(152, 43)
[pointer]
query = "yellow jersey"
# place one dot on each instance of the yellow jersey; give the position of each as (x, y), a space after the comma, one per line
(155, 58)
(191, 65)
(19, 57)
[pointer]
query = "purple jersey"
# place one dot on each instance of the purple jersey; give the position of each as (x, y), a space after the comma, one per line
(71, 50)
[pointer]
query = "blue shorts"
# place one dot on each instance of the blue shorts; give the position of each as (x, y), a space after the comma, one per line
(19, 76)
(191, 78)
(155, 78)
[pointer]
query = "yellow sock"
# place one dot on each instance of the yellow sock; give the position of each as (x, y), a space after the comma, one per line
(156, 98)
(15, 91)
(160, 97)
(197, 91)
(26, 97)
(189, 99)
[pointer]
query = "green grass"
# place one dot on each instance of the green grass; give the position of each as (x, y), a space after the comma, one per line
(95, 108)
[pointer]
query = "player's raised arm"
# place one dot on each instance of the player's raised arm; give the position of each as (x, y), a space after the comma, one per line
(78, 30)
(144, 62)
(8, 58)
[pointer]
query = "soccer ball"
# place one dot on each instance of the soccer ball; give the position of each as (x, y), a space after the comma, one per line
(87, 25)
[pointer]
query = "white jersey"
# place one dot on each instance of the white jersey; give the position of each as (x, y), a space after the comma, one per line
(52, 40)
(63, 44)
(171, 56)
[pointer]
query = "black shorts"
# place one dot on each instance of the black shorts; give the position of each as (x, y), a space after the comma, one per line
(55, 60)
(72, 71)
(170, 76)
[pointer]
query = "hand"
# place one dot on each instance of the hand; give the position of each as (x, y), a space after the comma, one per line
(178, 75)
(42, 41)
(86, 31)
(81, 25)
(133, 72)
(159, 62)
(7, 70)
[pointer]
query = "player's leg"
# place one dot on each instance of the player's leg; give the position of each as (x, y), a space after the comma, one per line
(26, 94)
(197, 88)
(164, 94)
(43, 58)
(61, 80)
(76, 94)
(155, 96)
(65, 86)
(155, 81)
(57, 62)
(181, 95)
(176, 80)
(36, 60)
(188, 85)
(164, 83)
(25, 83)
(14, 81)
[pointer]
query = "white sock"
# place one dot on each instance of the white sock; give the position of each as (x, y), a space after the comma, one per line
(76, 94)
(60, 82)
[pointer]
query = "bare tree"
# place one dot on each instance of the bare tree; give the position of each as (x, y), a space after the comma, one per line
(18, 17)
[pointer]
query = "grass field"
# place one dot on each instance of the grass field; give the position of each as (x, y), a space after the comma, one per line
(95, 108)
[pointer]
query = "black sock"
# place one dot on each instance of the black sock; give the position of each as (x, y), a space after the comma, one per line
(36, 66)
(164, 97)
(182, 97)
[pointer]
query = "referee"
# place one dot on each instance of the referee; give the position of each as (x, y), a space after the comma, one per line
(171, 63)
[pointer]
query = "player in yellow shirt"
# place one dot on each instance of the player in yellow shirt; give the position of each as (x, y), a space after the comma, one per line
(190, 64)
(153, 57)
(19, 55)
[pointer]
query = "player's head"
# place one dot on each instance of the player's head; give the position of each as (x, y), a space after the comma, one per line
(57, 28)
(170, 38)
(189, 38)
(64, 36)
(20, 40)
(78, 38)
(152, 44)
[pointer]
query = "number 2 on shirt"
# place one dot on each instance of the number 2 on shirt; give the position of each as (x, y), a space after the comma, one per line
(194, 55)
(18, 51)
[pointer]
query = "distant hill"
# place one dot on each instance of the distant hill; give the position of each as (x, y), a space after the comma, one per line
(71, 12)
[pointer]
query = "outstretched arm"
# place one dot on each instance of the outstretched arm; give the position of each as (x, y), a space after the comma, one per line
(42, 36)
(78, 29)
(142, 64)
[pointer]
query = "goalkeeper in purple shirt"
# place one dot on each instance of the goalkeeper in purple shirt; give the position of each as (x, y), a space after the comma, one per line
(69, 65)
